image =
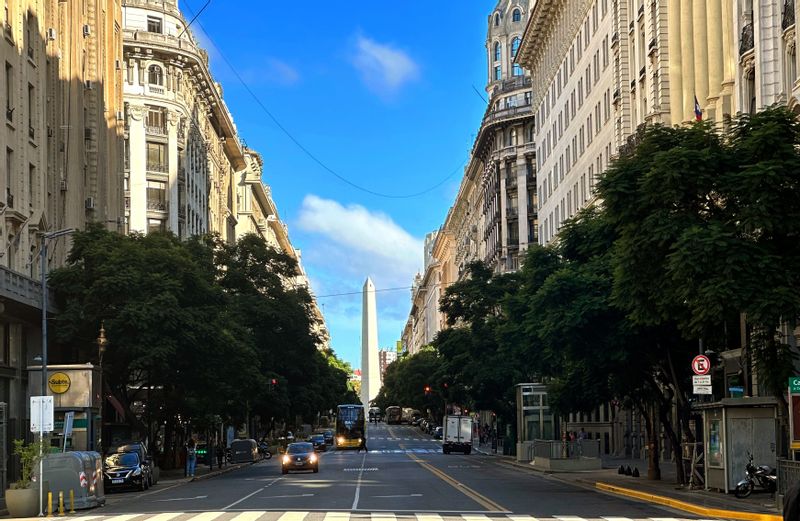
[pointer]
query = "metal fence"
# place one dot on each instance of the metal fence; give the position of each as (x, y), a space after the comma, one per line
(788, 474)
(554, 449)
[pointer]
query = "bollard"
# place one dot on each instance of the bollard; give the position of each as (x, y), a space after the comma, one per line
(71, 501)
(49, 504)
(61, 503)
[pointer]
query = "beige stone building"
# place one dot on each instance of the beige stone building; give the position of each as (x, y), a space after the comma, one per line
(182, 150)
(60, 163)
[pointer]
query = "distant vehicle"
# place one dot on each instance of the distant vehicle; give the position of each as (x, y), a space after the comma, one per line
(125, 470)
(437, 433)
(394, 415)
(409, 414)
(457, 434)
(328, 438)
(374, 414)
(244, 451)
(351, 426)
(141, 449)
(299, 456)
(318, 441)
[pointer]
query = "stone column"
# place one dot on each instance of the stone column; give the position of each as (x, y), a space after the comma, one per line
(173, 117)
(522, 202)
(715, 60)
(138, 169)
(502, 172)
(687, 60)
(730, 53)
(676, 97)
(701, 50)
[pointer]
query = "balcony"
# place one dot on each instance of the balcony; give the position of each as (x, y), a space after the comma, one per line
(15, 287)
(493, 116)
(155, 89)
(633, 85)
(157, 206)
(9, 198)
(156, 130)
(31, 132)
(640, 12)
(651, 47)
(746, 42)
(157, 167)
(788, 14)
(614, 39)
(512, 212)
(511, 182)
(9, 114)
(641, 73)
(8, 31)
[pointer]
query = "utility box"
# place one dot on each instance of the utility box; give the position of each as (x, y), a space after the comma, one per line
(457, 434)
(80, 472)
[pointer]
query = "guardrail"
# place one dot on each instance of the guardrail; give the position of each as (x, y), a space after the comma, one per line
(555, 449)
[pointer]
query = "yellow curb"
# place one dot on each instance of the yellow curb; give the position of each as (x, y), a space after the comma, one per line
(687, 507)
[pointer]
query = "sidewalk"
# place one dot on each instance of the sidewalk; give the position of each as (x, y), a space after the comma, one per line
(760, 506)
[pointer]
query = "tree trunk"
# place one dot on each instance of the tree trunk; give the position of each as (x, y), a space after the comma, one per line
(653, 467)
(664, 413)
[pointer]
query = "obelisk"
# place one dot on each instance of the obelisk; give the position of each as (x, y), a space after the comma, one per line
(370, 372)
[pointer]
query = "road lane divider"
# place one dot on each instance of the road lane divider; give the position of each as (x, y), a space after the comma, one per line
(248, 496)
(686, 507)
(358, 485)
(479, 498)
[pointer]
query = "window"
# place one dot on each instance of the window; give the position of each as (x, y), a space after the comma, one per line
(589, 131)
(157, 157)
(157, 195)
(126, 144)
(154, 24)
(31, 184)
(31, 109)
(156, 120)
(496, 19)
(516, 16)
(9, 90)
(155, 75)
(497, 51)
(9, 177)
(30, 29)
(156, 226)
(498, 73)
(605, 52)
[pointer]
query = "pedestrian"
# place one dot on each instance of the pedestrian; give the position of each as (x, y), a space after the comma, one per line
(191, 458)
(220, 454)
(791, 503)
(363, 445)
(582, 435)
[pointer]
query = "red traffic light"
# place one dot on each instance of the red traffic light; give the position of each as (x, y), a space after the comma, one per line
(427, 388)
(274, 381)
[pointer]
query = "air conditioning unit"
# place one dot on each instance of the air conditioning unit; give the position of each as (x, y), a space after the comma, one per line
(63, 185)
(87, 31)
(89, 203)
(89, 84)
(51, 34)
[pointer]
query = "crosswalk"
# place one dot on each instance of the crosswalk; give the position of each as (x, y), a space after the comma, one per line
(393, 451)
(260, 515)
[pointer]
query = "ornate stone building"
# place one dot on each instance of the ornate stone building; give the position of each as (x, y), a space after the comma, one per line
(182, 150)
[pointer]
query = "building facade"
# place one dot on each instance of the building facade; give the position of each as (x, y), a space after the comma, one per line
(182, 150)
(386, 357)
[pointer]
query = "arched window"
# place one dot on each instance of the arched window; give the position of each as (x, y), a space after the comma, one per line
(497, 51)
(496, 19)
(512, 137)
(514, 47)
(517, 16)
(155, 76)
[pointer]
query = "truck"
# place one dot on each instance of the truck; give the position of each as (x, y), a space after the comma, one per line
(457, 435)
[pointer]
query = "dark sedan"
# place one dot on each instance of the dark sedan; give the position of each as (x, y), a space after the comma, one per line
(125, 470)
(318, 441)
(328, 438)
(300, 456)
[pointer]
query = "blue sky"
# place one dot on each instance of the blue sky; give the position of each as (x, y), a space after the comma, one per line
(382, 94)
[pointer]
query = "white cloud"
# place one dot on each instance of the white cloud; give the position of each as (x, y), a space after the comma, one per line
(363, 239)
(282, 72)
(383, 68)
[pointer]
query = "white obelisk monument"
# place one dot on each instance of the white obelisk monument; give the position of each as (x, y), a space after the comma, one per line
(370, 372)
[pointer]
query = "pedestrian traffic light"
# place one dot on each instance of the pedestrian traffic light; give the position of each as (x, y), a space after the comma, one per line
(273, 384)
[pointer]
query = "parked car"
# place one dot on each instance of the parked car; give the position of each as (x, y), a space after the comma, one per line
(328, 438)
(318, 441)
(125, 470)
(299, 456)
(437, 433)
(144, 456)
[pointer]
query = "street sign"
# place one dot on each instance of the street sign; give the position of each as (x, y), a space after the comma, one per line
(701, 364)
(701, 379)
(794, 385)
(42, 414)
(702, 389)
(68, 421)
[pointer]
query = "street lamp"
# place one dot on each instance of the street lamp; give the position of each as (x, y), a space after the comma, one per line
(43, 260)
(102, 342)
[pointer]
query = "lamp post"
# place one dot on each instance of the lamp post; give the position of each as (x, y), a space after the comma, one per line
(102, 342)
(43, 261)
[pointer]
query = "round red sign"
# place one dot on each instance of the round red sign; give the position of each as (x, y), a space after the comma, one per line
(701, 364)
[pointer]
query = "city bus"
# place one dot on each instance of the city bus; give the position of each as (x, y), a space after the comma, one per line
(351, 426)
(394, 415)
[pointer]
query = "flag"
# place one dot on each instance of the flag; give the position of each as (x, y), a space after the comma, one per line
(698, 114)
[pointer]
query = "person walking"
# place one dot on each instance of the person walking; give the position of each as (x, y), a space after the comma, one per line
(363, 445)
(220, 454)
(191, 458)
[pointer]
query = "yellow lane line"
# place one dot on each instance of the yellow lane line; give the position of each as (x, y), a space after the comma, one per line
(687, 507)
(479, 498)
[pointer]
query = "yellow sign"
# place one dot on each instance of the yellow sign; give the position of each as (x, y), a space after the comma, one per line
(58, 383)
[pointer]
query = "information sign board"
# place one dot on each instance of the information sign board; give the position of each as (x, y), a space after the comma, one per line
(42, 419)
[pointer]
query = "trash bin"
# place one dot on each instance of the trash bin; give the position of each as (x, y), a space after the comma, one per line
(80, 472)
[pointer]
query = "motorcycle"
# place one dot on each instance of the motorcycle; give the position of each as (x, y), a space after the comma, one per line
(763, 476)
(263, 449)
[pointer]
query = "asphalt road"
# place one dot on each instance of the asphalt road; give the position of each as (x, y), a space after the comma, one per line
(404, 475)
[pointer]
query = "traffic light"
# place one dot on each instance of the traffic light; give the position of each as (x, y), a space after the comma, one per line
(427, 389)
(273, 384)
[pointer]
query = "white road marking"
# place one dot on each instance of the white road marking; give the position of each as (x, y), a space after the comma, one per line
(475, 518)
(295, 495)
(358, 485)
(337, 516)
(402, 495)
(293, 516)
(617, 519)
(177, 499)
(165, 516)
(248, 496)
(570, 518)
(124, 517)
(247, 516)
(429, 517)
(521, 518)
(206, 516)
